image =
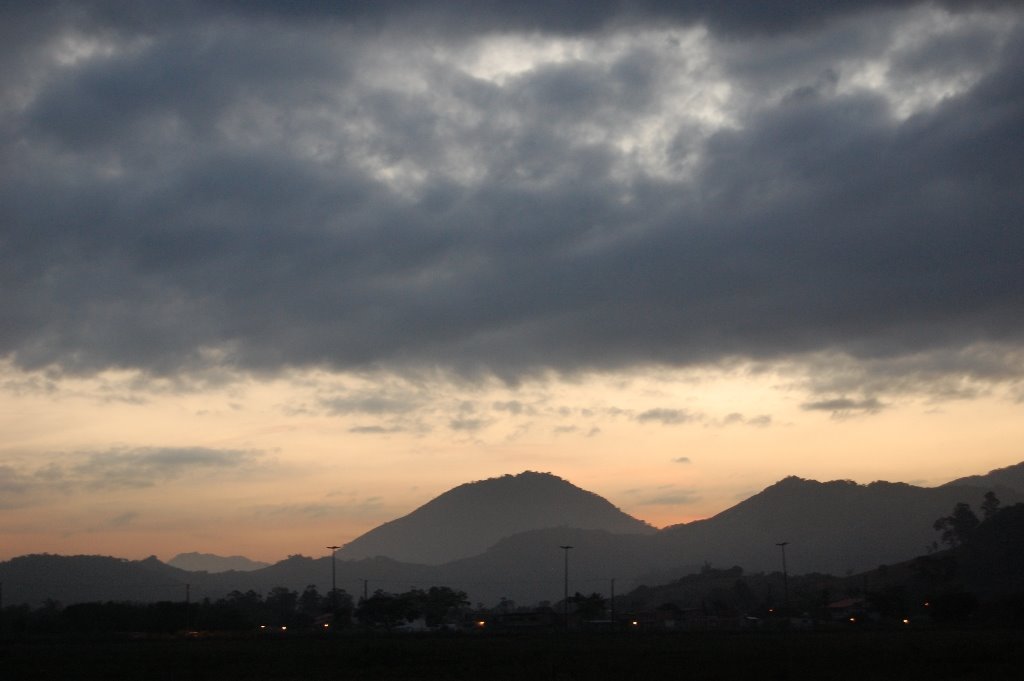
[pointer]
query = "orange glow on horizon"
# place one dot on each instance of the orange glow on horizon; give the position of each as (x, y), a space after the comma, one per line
(278, 473)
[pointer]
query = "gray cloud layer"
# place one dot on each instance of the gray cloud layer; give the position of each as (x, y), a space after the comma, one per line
(149, 466)
(462, 16)
(239, 186)
(118, 468)
(844, 406)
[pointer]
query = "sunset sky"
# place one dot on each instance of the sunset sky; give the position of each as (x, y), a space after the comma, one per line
(274, 273)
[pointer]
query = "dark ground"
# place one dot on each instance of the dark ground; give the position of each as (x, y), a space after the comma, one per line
(905, 654)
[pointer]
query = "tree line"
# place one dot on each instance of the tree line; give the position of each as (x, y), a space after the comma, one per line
(280, 610)
(978, 576)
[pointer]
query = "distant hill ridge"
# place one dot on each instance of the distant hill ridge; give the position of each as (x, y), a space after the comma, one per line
(210, 562)
(468, 519)
(833, 527)
(475, 535)
(1010, 477)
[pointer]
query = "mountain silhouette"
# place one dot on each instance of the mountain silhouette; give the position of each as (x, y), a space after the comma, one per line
(986, 568)
(502, 537)
(72, 579)
(998, 480)
(209, 562)
(835, 527)
(470, 518)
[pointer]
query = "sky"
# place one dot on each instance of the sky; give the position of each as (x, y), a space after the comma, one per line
(275, 273)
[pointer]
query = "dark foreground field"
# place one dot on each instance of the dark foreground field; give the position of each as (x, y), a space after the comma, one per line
(765, 655)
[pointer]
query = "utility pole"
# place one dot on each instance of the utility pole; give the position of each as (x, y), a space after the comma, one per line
(365, 582)
(785, 576)
(188, 603)
(334, 580)
(611, 602)
(565, 602)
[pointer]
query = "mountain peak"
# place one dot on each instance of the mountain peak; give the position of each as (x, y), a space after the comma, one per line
(468, 519)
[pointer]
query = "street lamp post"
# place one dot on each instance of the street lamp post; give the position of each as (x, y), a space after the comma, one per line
(785, 576)
(334, 580)
(565, 602)
(611, 602)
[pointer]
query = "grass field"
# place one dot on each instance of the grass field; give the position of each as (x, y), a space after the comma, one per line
(945, 654)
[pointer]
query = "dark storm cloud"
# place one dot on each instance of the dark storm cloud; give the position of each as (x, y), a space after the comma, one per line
(371, 404)
(467, 424)
(736, 418)
(513, 407)
(845, 406)
(118, 468)
(948, 374)
(668, 417)
(147, 467)
(375, 430)
(239, 187)
(460, 16)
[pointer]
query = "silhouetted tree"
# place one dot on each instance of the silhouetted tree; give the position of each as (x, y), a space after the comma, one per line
(341, 601)
(384, 610)
(744, 595)
(280, 605)
(439, 602)
(590, 607)
(957, 527)
(311, 603)
(244, 610)
(435, 606)
(990, 506)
